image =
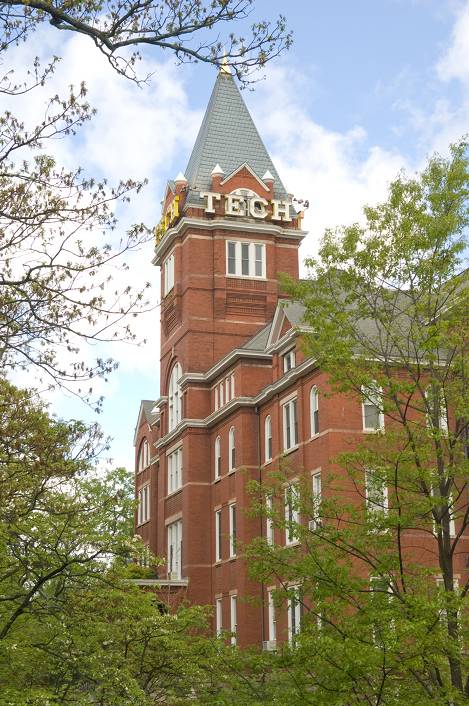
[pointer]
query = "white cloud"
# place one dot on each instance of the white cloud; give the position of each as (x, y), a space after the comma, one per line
(454, 64)
(337, 172)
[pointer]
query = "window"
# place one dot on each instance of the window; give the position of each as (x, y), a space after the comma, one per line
(437, 415)
(174, 461)
(270, 521)
(168, 269)
(218, 535)
(373, 417)
(443, 505)
(376, 493)
(143, 508)
(175, 550)
(245, 259)
(290, 425)
(294, 614)
(291, 514)
(143, 455)
(271, 614)
(174, 398)
(232, 509)
(224, 391)
(314, 406)
(217, 457)
(231, 450)
(268, 439)
(288, 360)
(219, 615)
(315, 521)
(233, 617)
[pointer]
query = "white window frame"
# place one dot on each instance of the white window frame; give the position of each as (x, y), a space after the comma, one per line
(174, 536)
(314, 410)
(272, 622)
(233, 618)
(372, 505)
(290, 424)
(253, 250)
(292, 515)
(268, 439)
(372, 396)
(231, 450)
(316, 496)
(168, 274)
(269, 530)
(143, 460)
(216, 398)
(232, 383)
(452, 522)
(289, 360)
(233, 529)
(174, 397)
(143, 507)
(174, 467)
(442, 411)
(219, 616)
(217, 458)
(218, 538)
(294, 614)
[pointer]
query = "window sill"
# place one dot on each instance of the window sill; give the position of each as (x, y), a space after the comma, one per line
(174, 492)
(294, 543)
(232, 558)
(285, 452)
(233, 470)
(143, 523)
(315, 436)
(230, 275)
(218, 479)
(380, 430)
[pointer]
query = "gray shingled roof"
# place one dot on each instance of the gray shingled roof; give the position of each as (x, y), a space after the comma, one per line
(259, 341)
(228, 137)
(147, 409)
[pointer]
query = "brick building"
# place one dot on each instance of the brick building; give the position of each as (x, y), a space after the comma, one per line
(237, 393)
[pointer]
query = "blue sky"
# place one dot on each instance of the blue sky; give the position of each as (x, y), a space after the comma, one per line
(369, 87)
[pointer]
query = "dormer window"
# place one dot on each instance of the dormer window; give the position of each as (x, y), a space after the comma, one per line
(289, 360)
(244, 259)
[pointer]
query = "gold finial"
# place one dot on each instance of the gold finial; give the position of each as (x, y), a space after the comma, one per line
(224, 67)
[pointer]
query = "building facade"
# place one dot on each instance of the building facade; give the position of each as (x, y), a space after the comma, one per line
(237, 394)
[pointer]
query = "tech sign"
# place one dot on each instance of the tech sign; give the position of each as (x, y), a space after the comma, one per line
(254, 206)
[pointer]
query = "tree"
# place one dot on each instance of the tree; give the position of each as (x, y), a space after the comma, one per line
(381, 571)
(73, 629)
(58, 245)
(184, 27)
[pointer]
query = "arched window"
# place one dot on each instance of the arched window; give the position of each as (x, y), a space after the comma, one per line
(174, 398)
(217, 457)
(143, 455)
(268, 438)
(231, 450)
(372, 406)
(314, 407)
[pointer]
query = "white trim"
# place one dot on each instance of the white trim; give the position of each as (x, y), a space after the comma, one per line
(245, 165)
(233, 617)
(220, 224)
(218, 616)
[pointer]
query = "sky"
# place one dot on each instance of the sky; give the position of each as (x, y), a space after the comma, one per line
(368, 88)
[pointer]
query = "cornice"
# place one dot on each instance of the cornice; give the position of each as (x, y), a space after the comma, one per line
(222, 364)
(238, 402)
(223, 224)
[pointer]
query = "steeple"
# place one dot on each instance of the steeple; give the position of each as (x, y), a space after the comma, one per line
(229, 138)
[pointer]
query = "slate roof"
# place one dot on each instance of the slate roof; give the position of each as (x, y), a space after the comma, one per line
(147, 406)
(228, 137)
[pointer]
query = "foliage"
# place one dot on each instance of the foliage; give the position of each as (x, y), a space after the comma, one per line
(381, 572)
(185, 28)
(73, 628)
